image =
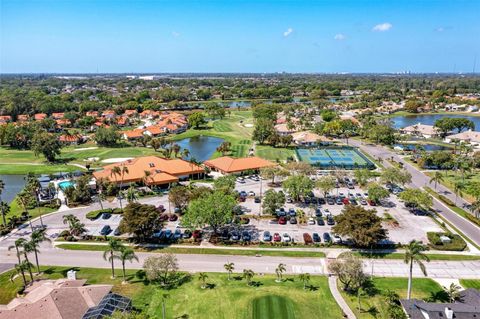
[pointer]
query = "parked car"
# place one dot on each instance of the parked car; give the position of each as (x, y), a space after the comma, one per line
(292, 212)
(318, 212)
(327, 238)
(293, 220)
(246, 236)
(161, 208)
(350, 185)
(168, 234)
(251, 193)
(281, 212)
(164, 217)
(286, 238)
(267, 236)
(330, 221)
(105, 230)
(177, 234)
(172, 217)
(321, 200)
(320, 221)
(363, 201)
(187, 234)
(289, 200)
(235, 236)
(316, 238)
(241, 180)
(282, 220)
(257, 199)
(339, 201)
(371, 202)
(276, 237)
(330, 201)
(117, 232)
(106, 215)
(311, 221)
(345, 201)
(337, 239)
(307, 238)
(197, 234)
(243, 194)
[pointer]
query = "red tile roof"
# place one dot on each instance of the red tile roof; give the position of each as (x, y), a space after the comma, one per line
(227, 164)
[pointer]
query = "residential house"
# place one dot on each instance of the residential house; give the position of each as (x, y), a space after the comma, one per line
(468, 137)
(130, 113)
(65, 299)
(109, 114)
(307, 138)
(22, 118)
(467, 306)
(58, 116)
(284, 130)
(4, 119)
(92, 113)
(133, 135)
(40, 116)
(421, 130)
(73, 139)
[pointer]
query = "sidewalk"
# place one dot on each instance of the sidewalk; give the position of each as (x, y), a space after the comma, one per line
(332, 283)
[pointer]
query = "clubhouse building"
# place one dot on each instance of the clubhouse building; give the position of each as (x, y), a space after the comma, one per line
(229, 165)
(152, 171)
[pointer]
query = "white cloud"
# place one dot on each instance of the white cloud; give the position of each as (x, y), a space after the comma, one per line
(175, 34)
(339, 37)
(382, 27)
(288, 32)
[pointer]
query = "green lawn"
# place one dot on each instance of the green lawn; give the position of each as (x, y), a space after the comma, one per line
(451, 177)
(223, 299)
(373, 305)
(470, 283)
(431, 256)
(206, 251)
(16, 210)
(274, 153)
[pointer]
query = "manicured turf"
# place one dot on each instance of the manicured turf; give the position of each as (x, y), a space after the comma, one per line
(272, 307)
(431, 256)
(470, 283)
(16, 210)
(374, 304)
(223, 299)
(274, 153)
(206, 251)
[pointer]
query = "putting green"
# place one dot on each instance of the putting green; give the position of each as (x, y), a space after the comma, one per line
(272, 307)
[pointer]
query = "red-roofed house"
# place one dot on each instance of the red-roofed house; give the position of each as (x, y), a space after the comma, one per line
(40, 116)
(4, 119)
(92, 113)
(74, 139)
(109, 114)
(130, 113)
(230, 165)
(133, 134)
(58, 116)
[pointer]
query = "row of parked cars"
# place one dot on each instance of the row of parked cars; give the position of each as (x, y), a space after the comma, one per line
(313, 238)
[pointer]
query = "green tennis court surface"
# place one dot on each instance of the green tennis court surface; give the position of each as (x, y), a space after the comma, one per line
(347, 158)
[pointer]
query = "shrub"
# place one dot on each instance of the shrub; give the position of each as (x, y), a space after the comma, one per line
(457, 243)
(96, 213)
(446, 200)
(117, 211)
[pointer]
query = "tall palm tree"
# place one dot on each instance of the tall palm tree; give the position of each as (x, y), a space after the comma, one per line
(20, 269)
(414, 253)
(17, 245)
(475, 208)
(229, 267)
(132, 194)
(203, 277)
(27, 248)
(185, 153)
(437, 177)
(114, 246)
(147, 177)
(38, 236)
(281, 268)
(305, 278)
(458, 188)
(123, 171)
(2, 208)
(248, 275)
(35, 188)
(453, 292)
(115, 172)
(22, 200)
(126, 254)
(70, 219)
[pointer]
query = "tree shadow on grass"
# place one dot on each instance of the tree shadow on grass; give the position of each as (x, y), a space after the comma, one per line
(210, 286)
(312, 288)
(256, 284)
(373, 311)
(237, 278)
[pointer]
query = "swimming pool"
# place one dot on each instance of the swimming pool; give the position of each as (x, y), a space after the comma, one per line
(66, 184)
(344, 157)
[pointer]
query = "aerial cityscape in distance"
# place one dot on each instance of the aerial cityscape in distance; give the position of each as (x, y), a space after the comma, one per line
(239, 159)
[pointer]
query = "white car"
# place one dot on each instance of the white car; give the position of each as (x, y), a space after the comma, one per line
(251, 193)
(286, 238)
(337, 239)
(311, 221)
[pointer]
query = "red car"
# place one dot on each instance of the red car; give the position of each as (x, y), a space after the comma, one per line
(282, 220)
(371, 202)
(276, 237)
(164, 217)
(346, 201)
(197, 234)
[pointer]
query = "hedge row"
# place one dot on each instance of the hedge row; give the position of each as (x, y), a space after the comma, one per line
(94, 214)
(457, 243)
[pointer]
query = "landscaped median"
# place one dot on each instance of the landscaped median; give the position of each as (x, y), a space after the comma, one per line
(202, 251)
(222, 298)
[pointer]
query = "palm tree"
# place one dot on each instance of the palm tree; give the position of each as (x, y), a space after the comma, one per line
(132, 194)
(185, 153)
(70, 219)
(27, 248)
(229, 267)
(475, 208)
(22, 200)
(114, 246)
(458, 188)
(123, 171)
(126, 254)
(35, 187)
(281, 268)
(305, 278)
(203, 277)
(453, 292)
(38, 236)
(248, 275)
(147, 176)
(437, 177)
(176, 149)
(17, 245)
(414, 253)
(20, 269)
(2, 208)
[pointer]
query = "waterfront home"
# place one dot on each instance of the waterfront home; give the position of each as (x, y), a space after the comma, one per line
(468, 137)
(162, 171)
(230, 165)
(65, 299)
(421, 130)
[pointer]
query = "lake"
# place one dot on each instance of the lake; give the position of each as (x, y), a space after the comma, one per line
(429, 119)
(201, 147)
(426, 147)
(13, 185)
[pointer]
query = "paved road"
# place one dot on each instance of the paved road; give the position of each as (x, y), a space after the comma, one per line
(419, 180)
(214, 263)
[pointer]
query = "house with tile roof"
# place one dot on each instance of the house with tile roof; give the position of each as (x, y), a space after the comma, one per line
(132, 135)
(162, 171)
(73, 139)
(230, 165)
(421, 130)
(40, 116)
(4, 119)
(58, 116)
(307, 138)
(61, 299)
(468, 137)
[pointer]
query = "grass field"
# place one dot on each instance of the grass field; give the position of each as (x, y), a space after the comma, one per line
(470, 283)
(374, 304)
(433, 256)
(206, 251)
(274, 153)
(452, 177)
(223, 299)
(16, 210)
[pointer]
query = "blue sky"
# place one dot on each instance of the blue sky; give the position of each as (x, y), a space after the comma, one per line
(239, 36)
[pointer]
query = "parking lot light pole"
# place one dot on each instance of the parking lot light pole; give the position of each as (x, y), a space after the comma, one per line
(261, 206)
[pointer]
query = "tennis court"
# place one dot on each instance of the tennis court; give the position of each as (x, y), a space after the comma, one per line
(346, 158)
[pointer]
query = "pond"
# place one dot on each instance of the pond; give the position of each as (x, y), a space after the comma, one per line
(429, 119)
(13, 185)
(201, 147)
(426, 147)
